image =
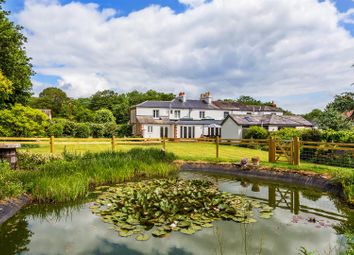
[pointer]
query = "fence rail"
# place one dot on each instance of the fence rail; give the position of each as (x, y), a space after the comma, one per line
(292, 151)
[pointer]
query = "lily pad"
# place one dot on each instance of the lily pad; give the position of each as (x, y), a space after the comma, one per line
(142, 237)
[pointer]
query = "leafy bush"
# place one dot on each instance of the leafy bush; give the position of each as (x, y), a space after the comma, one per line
(10, 186)
(104, 116)
(56, 129)
(22, 121)
(82, 130)
(110, 129)
(256, 132)
(97, 130)
(288, 133)
(124, 130)
(32, 161)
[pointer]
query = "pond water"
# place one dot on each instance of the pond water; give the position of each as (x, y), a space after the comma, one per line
(73, 229)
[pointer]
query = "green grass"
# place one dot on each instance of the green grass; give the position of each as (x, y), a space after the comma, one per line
(207, 151)
(71, 178)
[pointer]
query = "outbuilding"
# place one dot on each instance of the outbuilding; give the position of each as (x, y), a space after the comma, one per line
(234, 126)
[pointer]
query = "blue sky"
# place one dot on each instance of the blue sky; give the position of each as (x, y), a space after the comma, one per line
(300, 51)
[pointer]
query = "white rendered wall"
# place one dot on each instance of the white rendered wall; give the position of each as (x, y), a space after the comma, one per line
(272, 128)
(230, 130)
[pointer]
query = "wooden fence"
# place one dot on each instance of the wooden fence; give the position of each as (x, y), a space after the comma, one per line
(291, 151)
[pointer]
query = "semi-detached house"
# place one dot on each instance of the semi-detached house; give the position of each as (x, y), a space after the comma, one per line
(185, 118)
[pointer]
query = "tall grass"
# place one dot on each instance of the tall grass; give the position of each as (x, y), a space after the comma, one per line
(70, 179)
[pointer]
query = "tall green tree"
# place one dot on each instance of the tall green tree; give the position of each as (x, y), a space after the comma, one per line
(54, 99)
(14, 63)
(332, 119)
(343, 102)
(6, 89)
(313, 115)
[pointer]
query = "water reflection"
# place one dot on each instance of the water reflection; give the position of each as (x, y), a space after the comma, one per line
(72, 229)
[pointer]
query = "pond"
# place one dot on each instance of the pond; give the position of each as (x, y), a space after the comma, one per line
(302, 217)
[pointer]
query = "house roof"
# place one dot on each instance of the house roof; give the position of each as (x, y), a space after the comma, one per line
(247, 108)
(166, 121)
(270, 120)
(200, 104)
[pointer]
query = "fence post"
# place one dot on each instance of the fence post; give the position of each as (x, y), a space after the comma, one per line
(296, 152)
(113, 143)
(217, 141)
(52, 144)
(271, 150)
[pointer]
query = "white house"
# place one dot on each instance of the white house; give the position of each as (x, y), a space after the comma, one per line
(234, 126)
(184, 118)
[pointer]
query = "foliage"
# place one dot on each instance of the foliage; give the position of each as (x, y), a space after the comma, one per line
(124, 130)
(32, 161)
(9, 185)
(103, 116)
(313, 115)
(287, 133)
(97, 130)
(81, 130)
(6, 89)
(14, 63)
(56, 129)
(171, 205)
(71, 178)
(22, 121)
(256, 132)
(332, 119)
(52, 98)
(343, 102)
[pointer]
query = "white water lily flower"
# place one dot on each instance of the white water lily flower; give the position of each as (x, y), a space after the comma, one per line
(109, 204)
(173, 225)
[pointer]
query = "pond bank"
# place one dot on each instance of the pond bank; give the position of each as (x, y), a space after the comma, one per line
(296, 177)
(9, 207)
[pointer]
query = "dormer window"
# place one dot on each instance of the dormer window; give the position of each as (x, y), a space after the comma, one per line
(202, 114)
(156, 114)
(226, 114)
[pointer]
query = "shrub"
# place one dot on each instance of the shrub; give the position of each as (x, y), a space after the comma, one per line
(22, 121)
(110, 129)
(97, 130)
(69, 128)
(81, 130)
(104, 116)
(31, 161)
(311, 135)
(124, 130)
(287, 133)
(56, 129)
(256, 132)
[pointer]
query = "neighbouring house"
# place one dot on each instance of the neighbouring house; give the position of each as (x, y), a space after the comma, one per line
(185, 118)
(234, 126)
(47, 112)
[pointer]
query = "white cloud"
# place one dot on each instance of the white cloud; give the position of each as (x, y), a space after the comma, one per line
(192, 3)
(271, 48)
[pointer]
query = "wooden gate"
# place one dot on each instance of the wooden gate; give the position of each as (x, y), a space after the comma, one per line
(284, 150)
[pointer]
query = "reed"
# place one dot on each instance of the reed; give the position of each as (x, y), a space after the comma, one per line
(71, 178)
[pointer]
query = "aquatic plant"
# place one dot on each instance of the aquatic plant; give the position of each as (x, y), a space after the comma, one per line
(71, 178)
(171, 205)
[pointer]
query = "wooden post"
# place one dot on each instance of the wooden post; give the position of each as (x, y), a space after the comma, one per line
(217, 141)
(271, 150)
(52, 144)
(296, 152)
(113, 143)
(164, 144)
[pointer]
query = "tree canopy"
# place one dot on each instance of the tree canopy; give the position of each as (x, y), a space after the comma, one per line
(14, 63)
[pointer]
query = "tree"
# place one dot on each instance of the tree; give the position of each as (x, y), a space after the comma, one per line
(6, 89)
(104, 116)
(332, 119)
(14, 63)
(343, 102)
(54, 99)
(313, 115)
(22, 121)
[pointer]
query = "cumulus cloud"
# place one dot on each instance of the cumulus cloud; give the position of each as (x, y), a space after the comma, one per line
(192, 3)
(270, 49)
